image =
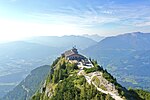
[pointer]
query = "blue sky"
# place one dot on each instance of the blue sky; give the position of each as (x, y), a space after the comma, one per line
(25, 18)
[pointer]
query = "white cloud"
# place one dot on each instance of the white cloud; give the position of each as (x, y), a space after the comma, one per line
(143, 24)
(84, 19)
(79, 20)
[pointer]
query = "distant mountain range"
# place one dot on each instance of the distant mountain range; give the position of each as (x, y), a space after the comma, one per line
(63, 42)
(94, 37)
(126, 56)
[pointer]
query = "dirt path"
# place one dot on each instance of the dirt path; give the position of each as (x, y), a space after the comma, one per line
(116, 97)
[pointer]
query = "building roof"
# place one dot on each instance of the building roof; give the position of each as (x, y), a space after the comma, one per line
(71, 52)
(76, 55)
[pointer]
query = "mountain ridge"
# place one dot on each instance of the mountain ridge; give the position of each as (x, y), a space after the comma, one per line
(123, 53)
(65, 75)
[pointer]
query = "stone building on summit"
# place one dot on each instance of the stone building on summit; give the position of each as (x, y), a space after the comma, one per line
(73, 55)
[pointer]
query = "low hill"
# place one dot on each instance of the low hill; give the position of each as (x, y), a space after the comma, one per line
(29, 85)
